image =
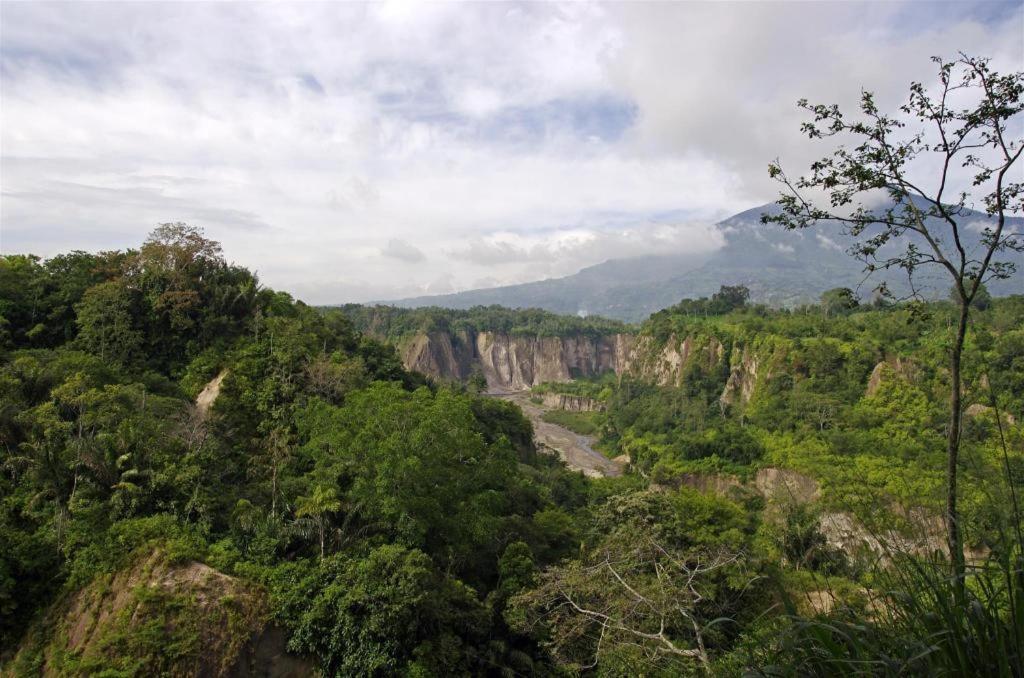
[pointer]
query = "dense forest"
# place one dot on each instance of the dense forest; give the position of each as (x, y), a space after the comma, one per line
(394, 324)
(162, 412)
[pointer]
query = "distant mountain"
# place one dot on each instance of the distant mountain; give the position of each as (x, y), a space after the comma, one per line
(781, 268)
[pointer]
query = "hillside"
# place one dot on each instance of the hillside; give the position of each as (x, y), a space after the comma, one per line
(202, 476)
(780, 268)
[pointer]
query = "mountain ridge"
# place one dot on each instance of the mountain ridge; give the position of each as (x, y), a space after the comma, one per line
(781, 268)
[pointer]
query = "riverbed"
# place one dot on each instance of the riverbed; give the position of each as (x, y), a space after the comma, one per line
(574, 449)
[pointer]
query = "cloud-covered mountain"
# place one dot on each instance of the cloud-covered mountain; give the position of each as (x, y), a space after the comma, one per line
(781, 268)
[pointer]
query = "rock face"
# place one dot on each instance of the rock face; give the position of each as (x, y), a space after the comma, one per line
(216, 625)
(778, 484)
(572, 403)
(511, 363)
(979, 410)
(516, 362)
(888, 369)
(742, 379)
(665, 363)
(206, 397)
(441, 355)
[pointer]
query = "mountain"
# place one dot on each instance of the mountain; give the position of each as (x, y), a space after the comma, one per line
(781, 268)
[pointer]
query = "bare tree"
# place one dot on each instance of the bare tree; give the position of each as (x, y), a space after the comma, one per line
(957, 133)
(631, 595)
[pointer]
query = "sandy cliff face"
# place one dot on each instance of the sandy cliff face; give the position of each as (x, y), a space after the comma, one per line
(518, 362)
(440, 355)
(666, 363)
(742, 379)
(572, 403)
(217, 625)
(515, 362)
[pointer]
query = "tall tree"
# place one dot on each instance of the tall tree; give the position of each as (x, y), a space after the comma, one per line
(105, 322)
(957, 132)
(315, 511)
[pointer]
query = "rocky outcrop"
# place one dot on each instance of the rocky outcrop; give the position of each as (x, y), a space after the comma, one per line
(440, 355)
(887, 369)
(216, 624)
(776, 484)
(979, 410)
(512, 362)
(665, 363)
(572, 403)
(742, 378)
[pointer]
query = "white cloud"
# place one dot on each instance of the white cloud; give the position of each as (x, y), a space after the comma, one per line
(465, 143)
(403, 251)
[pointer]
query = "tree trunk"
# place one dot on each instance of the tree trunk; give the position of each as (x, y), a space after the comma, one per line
(954, 539)
(273, 491)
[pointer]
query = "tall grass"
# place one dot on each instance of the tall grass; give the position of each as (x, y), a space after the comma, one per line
(916, 626)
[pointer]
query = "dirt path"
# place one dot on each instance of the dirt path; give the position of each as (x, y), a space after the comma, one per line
(571, 447)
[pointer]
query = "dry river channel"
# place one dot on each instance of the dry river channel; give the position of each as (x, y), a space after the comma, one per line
(572, 448)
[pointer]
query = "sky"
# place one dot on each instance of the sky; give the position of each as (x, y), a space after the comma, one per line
(358, 152)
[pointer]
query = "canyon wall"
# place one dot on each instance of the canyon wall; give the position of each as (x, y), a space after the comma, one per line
(511, 363)
(516, 362)
(572, 403)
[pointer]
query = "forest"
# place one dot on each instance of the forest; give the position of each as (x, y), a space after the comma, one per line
(394, 323)
(384, 524)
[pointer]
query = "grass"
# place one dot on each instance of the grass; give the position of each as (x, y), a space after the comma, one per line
(583, 423)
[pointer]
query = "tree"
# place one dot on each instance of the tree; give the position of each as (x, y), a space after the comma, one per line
(839, 300)
(648, 591)
(729, 298)
(390, 613)
(105, 324)
(982, 300)
(317, 509)
(277, 452)
(963, 125)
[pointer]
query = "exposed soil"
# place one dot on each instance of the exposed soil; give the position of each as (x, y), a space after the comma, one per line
(206, 397)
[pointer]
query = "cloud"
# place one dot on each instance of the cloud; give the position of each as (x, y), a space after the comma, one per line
(723, 83)
(558, 252)
(403, 251)
(481, 142)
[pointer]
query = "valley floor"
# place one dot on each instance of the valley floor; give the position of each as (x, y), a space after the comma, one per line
(573, 449)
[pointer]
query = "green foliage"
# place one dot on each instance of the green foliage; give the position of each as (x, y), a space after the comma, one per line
(105, 323)
(597, 387)
(661, 568)
(395, 324)
(917, 626)
(391, 612)
(583, 423)
(319, 446)
(403, 527)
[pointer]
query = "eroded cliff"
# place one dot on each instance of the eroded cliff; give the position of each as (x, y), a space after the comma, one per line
(511, 362)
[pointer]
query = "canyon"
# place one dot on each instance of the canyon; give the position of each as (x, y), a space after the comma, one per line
(511, 363)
